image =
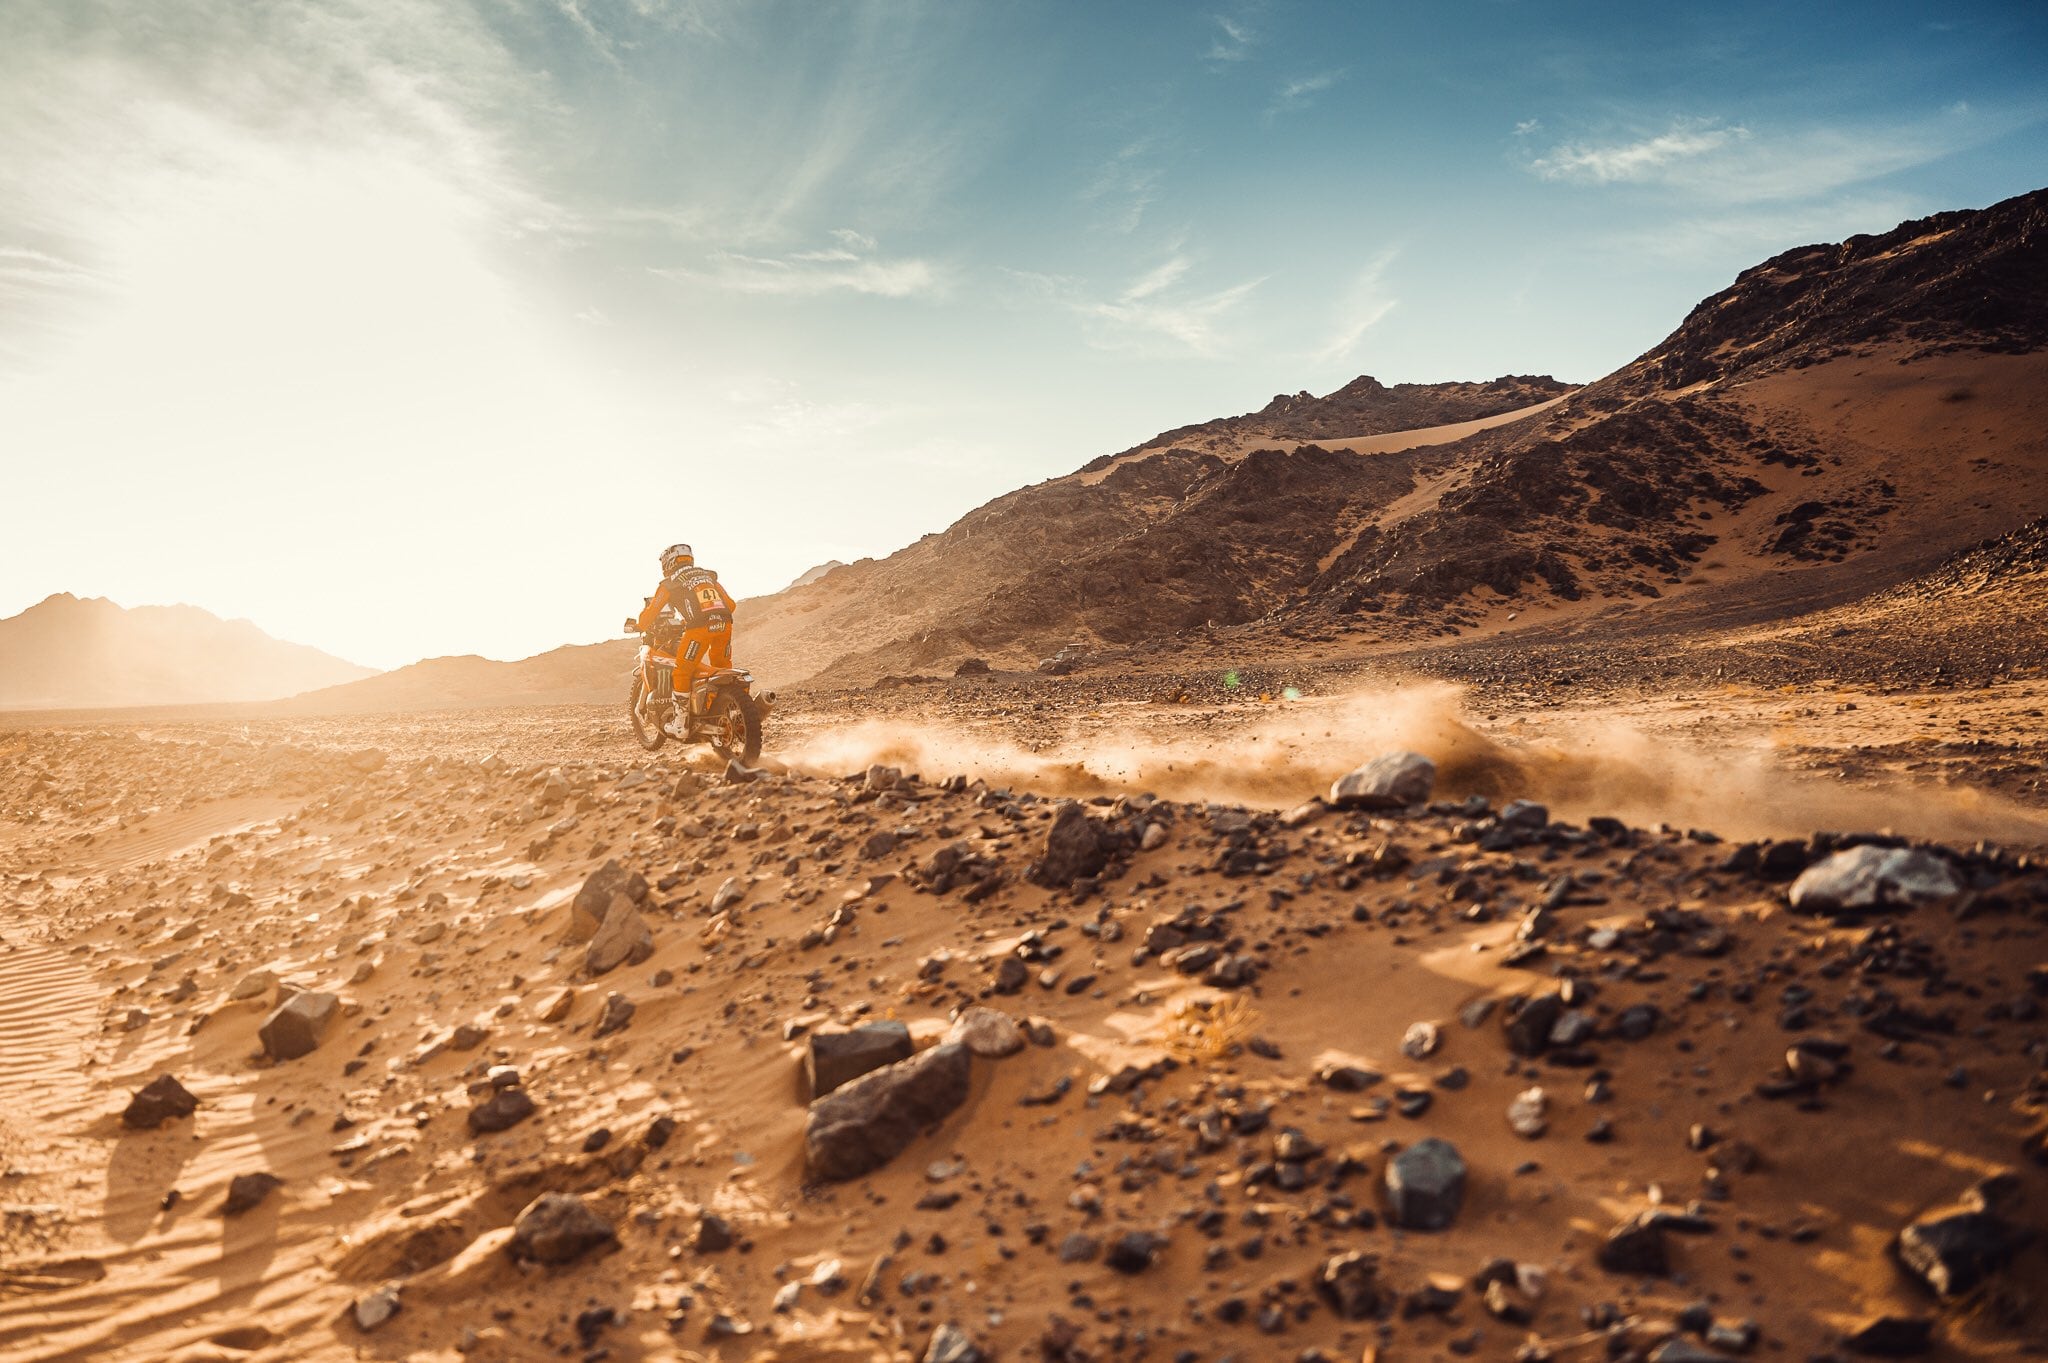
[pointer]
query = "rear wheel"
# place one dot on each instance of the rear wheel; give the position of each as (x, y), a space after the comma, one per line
(732, 721)
(645, 727)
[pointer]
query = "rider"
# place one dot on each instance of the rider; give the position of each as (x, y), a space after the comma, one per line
(706, 609)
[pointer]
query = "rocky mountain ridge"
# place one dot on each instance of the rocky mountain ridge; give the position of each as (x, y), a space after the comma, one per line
(1746, 444)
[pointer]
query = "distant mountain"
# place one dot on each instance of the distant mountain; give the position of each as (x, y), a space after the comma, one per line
(1841, 417)
(813, 574)
(576, 674)
(65, 653)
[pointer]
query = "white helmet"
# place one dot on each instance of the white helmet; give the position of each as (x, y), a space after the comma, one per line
(676, 556)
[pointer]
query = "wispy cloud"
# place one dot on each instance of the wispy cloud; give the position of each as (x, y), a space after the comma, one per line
(1159, 312)
(1364, 304)
(1233, 36)
(1126, 184)
(1301, 92)
(1742, 163)
(27, 273)
(1638, 159)
(853, 265)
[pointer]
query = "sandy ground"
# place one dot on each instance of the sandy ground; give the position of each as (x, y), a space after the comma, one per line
(422, 868)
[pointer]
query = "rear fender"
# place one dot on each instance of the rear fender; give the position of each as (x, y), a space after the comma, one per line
(707, 687)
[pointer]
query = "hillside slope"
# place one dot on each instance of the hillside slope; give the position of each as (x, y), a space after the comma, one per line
(1842, 414)
(575, 674)
(71, 653)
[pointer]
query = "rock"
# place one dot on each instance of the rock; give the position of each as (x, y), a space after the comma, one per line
(617, 1012)
(555, 1006)
(1348, 1078)
(296, 1026)
(1955, 1249)
(950, 1344)
(879, 778)
(1504, 1305)
(731, 892)
(1636, 1246)
(1867, 878)
(1076, 845)
(1134, 1251)
(594, 900)
(987, 1033)
(1809, 1067)
(1524, 814)
(1420, 1041)
(1350, 1284)
(1529, 1026)
(503, 1110)
(1891, 1337)
(714, 1234)
(837, 1058)
(972, 667)
(622, 939)
(558, 1228)
(738, 773)
(247, 1191)
(375, 1309)
(1425, 1185)
(1153, 838)
(1391, 781)
(868, 1122)
(156, 1102)
(1529, 1113)
(255, 984)
(1736, 1337)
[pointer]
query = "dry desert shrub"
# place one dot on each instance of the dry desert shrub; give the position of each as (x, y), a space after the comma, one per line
(1209, 1029)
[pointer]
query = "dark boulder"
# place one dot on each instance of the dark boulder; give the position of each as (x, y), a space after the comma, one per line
(1636, 1247)
(503, 1110)
(865, 1124)
(623, 938)
(1530, 1025)
(594, 900)
(1953, 1250)
(297, 1025)
(558, 1228)
(835, 1059)
(1134, 1252)
(156, 1102)
(1075, 846)
(1425, 1185)
(247, 1191)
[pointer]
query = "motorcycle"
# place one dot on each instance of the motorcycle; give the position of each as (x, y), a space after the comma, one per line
(721, 709)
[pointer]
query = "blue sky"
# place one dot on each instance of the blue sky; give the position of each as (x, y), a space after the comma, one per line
(413, 328)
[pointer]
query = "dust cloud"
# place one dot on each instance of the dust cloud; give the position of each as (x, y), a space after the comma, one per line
(1278, 755)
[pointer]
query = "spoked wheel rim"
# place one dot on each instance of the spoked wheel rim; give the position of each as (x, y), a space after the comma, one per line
(645, 729)
(728, 729)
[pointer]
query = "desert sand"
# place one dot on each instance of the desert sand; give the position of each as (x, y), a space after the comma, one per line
(1200, 1124)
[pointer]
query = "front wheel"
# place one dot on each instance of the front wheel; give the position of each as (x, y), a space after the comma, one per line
(733, 724)
(645, 727)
